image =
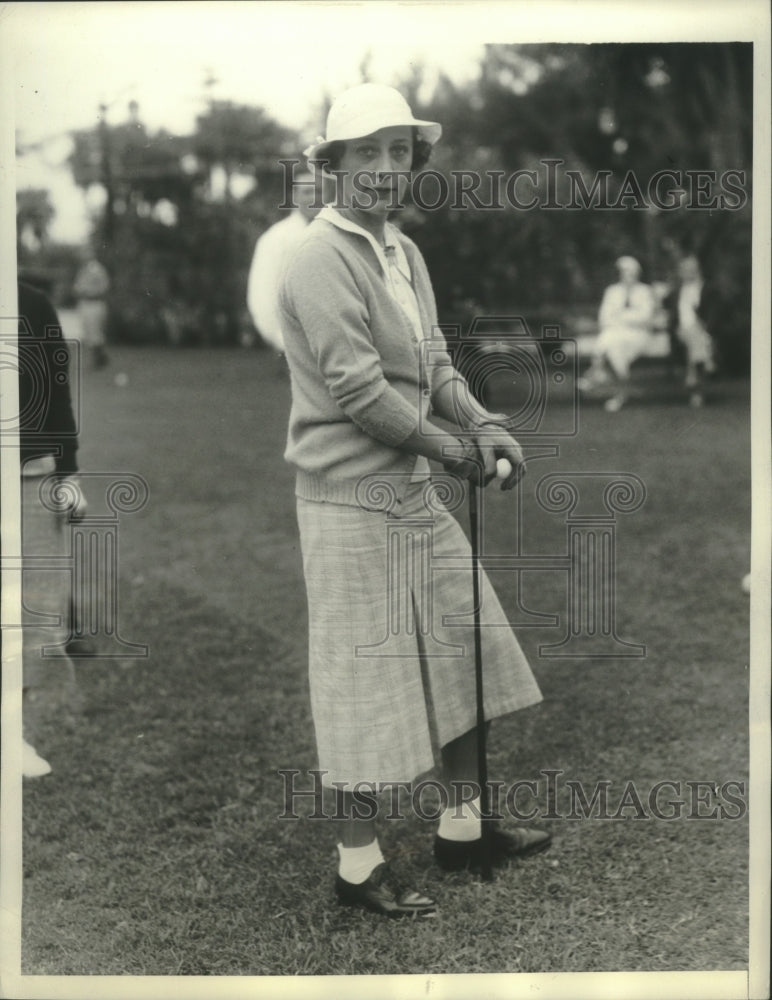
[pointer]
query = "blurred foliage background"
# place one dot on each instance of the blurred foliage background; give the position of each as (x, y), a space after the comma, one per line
(180, 215)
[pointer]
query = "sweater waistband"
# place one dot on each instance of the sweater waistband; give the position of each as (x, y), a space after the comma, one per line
(377, 491)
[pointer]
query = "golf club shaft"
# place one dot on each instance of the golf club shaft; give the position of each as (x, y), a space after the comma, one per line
(482, 762)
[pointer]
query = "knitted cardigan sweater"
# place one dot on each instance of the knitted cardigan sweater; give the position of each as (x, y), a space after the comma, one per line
(360, 382)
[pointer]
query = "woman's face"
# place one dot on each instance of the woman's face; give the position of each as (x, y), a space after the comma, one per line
(368, 181)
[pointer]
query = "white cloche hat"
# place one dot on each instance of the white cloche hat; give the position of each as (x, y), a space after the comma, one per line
(365, 109)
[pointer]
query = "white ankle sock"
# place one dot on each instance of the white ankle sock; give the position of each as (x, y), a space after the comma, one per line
(461, 823)
(357, 863)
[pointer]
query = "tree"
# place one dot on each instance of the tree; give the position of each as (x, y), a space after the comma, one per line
(177, 248)
(624, 110)
(240, 139)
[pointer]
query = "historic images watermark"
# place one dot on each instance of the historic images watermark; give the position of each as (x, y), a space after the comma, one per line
(88, 555)
(550, 186)
(587, 626)
(88, 558)
(43, 365)
(551, 797)
(544, 409)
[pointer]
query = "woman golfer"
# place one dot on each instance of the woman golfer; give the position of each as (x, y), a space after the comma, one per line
(391, 659)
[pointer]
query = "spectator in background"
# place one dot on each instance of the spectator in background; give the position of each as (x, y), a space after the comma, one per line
(48, 456)
(92, 284)
(691, 306)
(625, 319)
(273, 252)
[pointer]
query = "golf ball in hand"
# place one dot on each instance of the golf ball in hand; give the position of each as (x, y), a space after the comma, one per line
(503, 468)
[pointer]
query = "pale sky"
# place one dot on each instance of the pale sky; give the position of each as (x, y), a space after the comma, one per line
(280, 55)
(69, 57)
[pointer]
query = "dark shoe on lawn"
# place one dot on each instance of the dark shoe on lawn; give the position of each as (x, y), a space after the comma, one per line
(77, 647)
(519, 842)
(382, 894)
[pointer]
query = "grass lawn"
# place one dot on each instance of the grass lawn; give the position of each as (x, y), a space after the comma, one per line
(154, 848)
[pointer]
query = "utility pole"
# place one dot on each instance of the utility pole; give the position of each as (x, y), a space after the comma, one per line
(107, 178)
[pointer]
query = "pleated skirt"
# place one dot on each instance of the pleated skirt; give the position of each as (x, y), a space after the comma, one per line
(391, 638)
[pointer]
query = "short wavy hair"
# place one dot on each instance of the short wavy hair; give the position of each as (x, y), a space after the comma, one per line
(421, 152)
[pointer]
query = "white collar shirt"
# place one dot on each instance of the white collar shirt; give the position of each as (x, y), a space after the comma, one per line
(393, 261)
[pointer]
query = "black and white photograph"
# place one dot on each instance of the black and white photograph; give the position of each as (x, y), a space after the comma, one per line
(386, 477)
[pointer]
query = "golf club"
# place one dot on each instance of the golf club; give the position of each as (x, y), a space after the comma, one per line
(503, 469)
(486, 868)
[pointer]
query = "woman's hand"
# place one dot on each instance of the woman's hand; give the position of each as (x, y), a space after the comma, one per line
(494, 442)
(471, 462)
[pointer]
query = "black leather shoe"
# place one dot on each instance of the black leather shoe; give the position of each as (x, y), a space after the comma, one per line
(455, 856)
(382, 894)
